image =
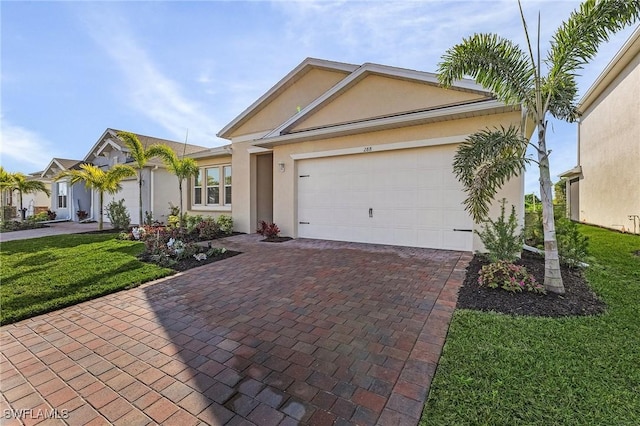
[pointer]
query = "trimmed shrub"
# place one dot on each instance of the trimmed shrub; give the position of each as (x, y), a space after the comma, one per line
(118, 215)
(225, 223)
(501, 237)
(508, 276)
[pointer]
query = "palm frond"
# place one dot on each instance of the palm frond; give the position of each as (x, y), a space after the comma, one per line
(136, 149)
(495, 63)
(484, 162)
(576, 41)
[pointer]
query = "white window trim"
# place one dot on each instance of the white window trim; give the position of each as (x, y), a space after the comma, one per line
(203, 188)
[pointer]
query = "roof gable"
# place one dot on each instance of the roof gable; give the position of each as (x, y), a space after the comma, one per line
(110, 141)
(295, 91)
(375, 95)
(57, 165)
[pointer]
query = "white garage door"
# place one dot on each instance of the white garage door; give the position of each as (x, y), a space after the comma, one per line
(405, 197)
(130, 194)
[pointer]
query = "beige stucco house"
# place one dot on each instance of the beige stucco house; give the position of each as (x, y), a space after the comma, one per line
(603, 189)
(357, 153)
(159, 186)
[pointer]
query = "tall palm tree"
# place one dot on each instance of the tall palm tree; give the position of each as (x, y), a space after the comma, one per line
(487, 159)
(100, 180)
(21, 183)
(183, 168)
(140, 156)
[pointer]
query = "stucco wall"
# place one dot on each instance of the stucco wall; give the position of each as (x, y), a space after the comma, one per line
(299, 94)
(378, 96)
(165, 191)
(610, 153)
(206, 210)
(284, 183)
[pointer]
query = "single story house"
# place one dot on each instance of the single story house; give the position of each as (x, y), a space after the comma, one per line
(34, 203)
(358, 153)
(159, 186)
(66, 199)
(603, 188)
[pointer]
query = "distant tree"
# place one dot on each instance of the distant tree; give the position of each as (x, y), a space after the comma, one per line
(183, 168)
(489, 158)
(531, 202)
(140, 156)
(560, 192)
(100, 180)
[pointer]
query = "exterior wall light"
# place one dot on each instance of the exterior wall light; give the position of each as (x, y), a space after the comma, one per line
(281, 165)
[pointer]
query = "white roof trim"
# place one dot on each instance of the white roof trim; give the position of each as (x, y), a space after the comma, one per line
(394, 146)
(624, 56)
(481, 108)
(219, 151)
(576, 171)
(309, 62)
(358, 75)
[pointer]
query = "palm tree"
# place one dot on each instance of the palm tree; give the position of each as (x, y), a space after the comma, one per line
(140, 156)
(21, 183)
(183, 168)
(100, 180)
(489, 158)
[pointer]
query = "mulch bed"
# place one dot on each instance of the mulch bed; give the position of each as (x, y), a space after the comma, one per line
(578, 299)
(191, 262)
(276, 239)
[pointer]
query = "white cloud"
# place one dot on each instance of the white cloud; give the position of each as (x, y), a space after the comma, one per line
(22, 149)
(146, 89)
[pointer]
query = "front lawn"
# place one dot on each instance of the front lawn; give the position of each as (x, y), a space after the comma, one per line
(42, 274)
(498, 369)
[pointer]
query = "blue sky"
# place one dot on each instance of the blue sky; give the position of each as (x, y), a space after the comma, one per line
(70, 70)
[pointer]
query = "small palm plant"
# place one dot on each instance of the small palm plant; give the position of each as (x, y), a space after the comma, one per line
(489, 158)
(140, 156)
(102, 181)
(184, 168)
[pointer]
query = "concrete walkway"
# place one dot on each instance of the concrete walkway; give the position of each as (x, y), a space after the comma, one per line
(301, 332)
(57, 228)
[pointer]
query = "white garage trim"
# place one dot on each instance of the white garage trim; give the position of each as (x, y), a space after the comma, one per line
(382, 147)
(396, 197)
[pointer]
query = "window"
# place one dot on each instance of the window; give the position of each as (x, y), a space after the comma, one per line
(62, 195)
(212, 186)
(197, 188)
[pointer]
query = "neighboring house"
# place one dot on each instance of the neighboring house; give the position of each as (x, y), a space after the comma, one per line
(36, 202)
(354, 153)
(603, 189)
(159, 186)
(66, 199)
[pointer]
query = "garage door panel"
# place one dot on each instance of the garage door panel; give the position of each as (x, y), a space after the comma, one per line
(404, 237)
(457, 240)
(455, 219)
(415, 198)
(429, 178)
(429, 238)
(430, 218)
(430, 198)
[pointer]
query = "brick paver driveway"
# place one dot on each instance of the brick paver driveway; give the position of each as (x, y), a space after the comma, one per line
(303, 332)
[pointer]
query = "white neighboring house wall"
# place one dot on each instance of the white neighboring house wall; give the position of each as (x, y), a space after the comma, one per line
(603, 189)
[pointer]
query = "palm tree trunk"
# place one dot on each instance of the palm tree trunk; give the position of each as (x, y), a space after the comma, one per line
(140, 196)
(23, 214)
(552, 277)
(100, 213)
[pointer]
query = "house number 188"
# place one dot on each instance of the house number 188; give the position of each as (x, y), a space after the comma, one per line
(367, 149)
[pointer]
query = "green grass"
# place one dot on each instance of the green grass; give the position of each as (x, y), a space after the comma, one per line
(503, 370)
(42, 274)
